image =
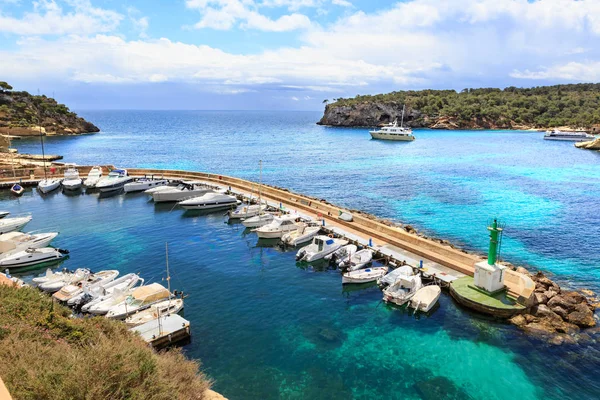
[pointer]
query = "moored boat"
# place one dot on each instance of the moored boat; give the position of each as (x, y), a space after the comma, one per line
(357, 260)
(93, 177)
(99, 301)
(73, 289)
(402, 290)
(31, 257)
(165, 307)
(18, 241)
(115, 180)
(320, 247)
(277, 228)
(341, 253)
(425, 298)
(101, 289)
(364, 275)
(573, 136)
(140, 299)
(4, 214)
(247, 211)
(47, 185)
(17, 189)
(81, 274)
(208, 201)
(181, 192)
(145, 183)
(13, 223)
(393, 276)
(303, 234)
(258, 220)
(394, 132)
(71, 180)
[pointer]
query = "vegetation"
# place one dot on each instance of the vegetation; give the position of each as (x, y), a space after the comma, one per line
(46, 354)
(576, 105)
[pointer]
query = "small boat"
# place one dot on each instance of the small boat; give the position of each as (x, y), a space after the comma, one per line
(320, 247)
(47, 185)
(93, 177)
(345, 216)
(165, 307)
(4, 214)
(394, 132)
(59, 276)
(258, 220)
(73, 289)
(13, 223)
(573, 136)
(304, 234)
(208, 201)
(140, 299)
(181, 192)
(278, 227)
(357, 260)
(94, 295)
(393, 276)
(17, 189)
(425, 298)
(30, 257)
(402, 290)
(364, 275)
(143, 184)
(116, 179)
(81, 274)
(341, 253)
(18, 241)
(71, 180)
(247, 211)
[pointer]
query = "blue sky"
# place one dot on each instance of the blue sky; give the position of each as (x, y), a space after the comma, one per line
(288, 54)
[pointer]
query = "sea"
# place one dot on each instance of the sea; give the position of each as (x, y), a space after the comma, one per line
(265, 327)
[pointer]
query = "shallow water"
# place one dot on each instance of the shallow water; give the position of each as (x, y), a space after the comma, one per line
(266, 328)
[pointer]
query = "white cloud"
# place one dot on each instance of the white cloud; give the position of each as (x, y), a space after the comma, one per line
(342, 3)
(572, 71)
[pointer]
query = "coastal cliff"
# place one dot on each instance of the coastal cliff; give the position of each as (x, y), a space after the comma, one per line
(571, 106)
(22, 114)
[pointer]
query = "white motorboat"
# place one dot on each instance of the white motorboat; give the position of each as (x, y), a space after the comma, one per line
(247, 211)
(165, 307)
(258, 220)
(143, 184)
(4, 214)
(18, 241)
(93, 177)
(394, 132)
(573, 136)
(72, 289)
(425, 298)
(96, 294)
(17, 189)
(364, 275)
(341, 253)
(160, 188)
(304, 234)
(47, 185)
(30, 257)
(71, 180)
(116, 179)
(357, 260)
(50, 275)
(140, 299)
(208, 201)
(393, 276)
(402, 290)
(320, 247)
(51, 286)
(13, 223)
(181, 192)
(277, 228)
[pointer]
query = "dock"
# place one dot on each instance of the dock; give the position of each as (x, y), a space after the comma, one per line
(164, 331)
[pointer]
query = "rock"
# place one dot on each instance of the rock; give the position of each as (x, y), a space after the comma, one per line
(558, 340)
(529, 318)
(523, 271)
(588, 292)
(591, 145)
(518, 320)
(539, 328)
(550, 293)
(582, 316)
(539, 298)
(560, 311)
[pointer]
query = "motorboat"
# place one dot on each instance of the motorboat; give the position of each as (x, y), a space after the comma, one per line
(425, 298)
(341, 253)
(402, 290)
(153, 190)
(357, 260)
(140, 299)
(30, 257)
(4, 214)
(53, 285)
(71, 180)
(18, 241)
(73, 289)
(58, 276)
(116, 179)
(13, 223)
(93, 177)
(258, 220)
(47, 185)
(96, 294)
(185, 190)
(278, 227)
(393, 276)
(156, 310)
(303, 234)
(143, 184)
(17, 189)
(208, 201)
(247, 211)
(320, 247)
(573, 136)
(364, 275)
(394, 132)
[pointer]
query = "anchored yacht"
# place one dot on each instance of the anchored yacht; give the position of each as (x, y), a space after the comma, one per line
(574, 136)
(115, 180)
(394, 132)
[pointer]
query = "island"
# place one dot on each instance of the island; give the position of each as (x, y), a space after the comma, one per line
(24, 114)
(574, 107)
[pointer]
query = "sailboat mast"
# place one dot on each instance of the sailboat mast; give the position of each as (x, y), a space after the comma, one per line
(260, 187)
(168, 274)
(12, 157)
(43, 153)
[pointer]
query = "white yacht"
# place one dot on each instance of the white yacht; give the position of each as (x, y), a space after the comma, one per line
(93, 177)
(357, 260)
(304, 234)
(30, 257)
(209, 201)
(258, 220)
(402, 290)
(574, 136)
(18, 241)
(72, 181)
(143, 184)
(394, 132)
(320, 247)
(14, 223)
(47, 185)
(279, 226)
(364, 275)
(115, 180)
(184, 191)
(140, 299)
(392, 277)
(340, 254)
(247, 211)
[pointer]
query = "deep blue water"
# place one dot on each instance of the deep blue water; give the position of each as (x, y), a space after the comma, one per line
(265, 328)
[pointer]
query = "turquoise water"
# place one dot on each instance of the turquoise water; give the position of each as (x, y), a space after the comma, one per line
(265, 328)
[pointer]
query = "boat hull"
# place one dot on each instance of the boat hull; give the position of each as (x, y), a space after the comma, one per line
(164, 196)
(132, 187)
(568, 139)
(46, 186)
(215, 206)
(72, 184)
(396, 138)
(113, 186)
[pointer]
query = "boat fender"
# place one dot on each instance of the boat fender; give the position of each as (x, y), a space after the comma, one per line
(330, 235)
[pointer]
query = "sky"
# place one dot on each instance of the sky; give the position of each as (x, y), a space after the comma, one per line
(288, 54)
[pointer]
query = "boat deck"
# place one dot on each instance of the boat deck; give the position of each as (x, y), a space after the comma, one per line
(162, 332)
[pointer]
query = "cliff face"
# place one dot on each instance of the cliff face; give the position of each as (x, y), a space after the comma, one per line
(22, 114)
